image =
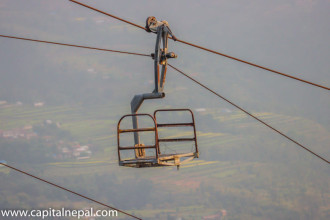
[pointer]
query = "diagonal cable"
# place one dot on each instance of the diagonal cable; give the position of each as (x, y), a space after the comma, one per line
(248, 113)
(50, 183)
(73, 45)
(255, 65)
(105, 13)
(68, 190)
(209, 50)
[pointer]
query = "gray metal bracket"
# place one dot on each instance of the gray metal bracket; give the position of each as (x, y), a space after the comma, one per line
(160, 57)
(135, 105)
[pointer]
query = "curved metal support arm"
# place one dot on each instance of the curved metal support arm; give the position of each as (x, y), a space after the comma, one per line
(160, 59)
(138, 100)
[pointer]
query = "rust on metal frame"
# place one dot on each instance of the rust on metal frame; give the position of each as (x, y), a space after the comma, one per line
(159, 159)
(192, 124)
(119, 131)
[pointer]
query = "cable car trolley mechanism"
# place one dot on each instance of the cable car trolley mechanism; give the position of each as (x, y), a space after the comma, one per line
(141, 153)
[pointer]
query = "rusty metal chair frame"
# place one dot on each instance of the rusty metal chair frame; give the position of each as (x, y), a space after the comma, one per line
(175, 158)
(147, 161)
(159, 159)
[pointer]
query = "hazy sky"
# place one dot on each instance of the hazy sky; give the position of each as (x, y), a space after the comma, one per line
(291, 36)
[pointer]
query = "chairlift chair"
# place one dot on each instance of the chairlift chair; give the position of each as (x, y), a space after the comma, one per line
(141, 159)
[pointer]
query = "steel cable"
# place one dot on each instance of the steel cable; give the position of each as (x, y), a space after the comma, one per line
(208, 50)
(248, 113)
(73, 45)
(68, 190)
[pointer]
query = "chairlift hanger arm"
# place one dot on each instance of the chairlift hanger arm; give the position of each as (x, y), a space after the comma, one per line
(160, 56)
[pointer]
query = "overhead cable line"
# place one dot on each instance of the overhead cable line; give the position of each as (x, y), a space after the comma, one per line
(248, 113)
(73, 45)
(208, 50)
(68, 190)
(255, 65)
(105, 13)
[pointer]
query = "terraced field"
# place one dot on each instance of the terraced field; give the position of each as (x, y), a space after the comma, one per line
(206, 179)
